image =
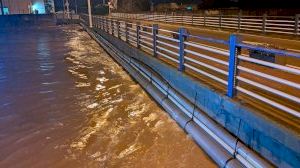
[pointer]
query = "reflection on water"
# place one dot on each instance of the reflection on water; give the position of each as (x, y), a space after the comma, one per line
(66, 103)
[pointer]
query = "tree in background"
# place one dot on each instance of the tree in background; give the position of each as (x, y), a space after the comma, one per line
(49, 6)
(133, 5)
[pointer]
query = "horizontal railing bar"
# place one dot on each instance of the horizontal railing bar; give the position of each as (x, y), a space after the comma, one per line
(132, 33)
(213, 18)
(169, 31)
(169, 51)
(285, 25)
(209, 39)
(229, 24)
(207, 66)
(206, 74)
(166, 44)
(130, 36)
(267, 88)
(148, 33)
(255, 20)
(168, 38)
(145, 37)
(129, 28)
(228, 21)
(146, 47)
(148, 27)
(250, 26)
(284, 68)
(211, 22)
(259, 30)
(150, 44)
(207, 57)
(130, 40)
(270, 102)
(270, 77)
(233, 19)
(168, 57)
(283, 21)
(197, 45)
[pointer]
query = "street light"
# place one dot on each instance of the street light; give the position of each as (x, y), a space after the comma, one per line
(68, 9)
(90, 13)
(76, 7)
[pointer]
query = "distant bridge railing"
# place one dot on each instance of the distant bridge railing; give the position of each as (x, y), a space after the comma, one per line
(289, 25)
(240, 70)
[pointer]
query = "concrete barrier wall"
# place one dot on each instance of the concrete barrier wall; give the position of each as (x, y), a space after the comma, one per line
(273, 141)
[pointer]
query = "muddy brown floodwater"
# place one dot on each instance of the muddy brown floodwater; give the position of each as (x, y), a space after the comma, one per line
(65, 103)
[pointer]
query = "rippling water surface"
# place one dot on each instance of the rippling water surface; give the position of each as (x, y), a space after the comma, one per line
(65, 103)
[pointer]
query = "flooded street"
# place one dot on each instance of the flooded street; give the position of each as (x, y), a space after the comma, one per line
(64, 102)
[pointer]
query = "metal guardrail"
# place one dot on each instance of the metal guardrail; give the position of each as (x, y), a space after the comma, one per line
(230, 66)
(289, 25)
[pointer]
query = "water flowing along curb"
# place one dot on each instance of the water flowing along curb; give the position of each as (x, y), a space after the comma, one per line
(224, 148)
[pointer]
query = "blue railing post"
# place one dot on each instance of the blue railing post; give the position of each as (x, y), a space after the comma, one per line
(138, 28)
(232, 68)
(155, 31)
(182, 36)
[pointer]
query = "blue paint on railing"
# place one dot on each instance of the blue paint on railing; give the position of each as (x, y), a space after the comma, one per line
(232, 65)
(209, 39)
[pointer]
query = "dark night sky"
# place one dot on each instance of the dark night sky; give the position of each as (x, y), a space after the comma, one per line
(240, 3)
(213, 3)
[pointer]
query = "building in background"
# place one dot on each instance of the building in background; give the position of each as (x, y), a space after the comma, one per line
(12, 7)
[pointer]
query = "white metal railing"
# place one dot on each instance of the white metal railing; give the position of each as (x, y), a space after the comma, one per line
(288, 25)
(234, 66)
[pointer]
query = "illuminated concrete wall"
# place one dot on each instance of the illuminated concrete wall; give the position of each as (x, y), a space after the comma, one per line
(24, 6)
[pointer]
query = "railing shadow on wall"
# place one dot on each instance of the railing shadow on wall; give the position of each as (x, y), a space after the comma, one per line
(239, 70)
